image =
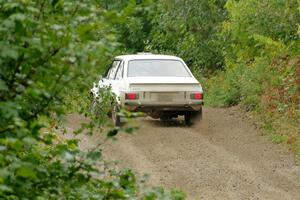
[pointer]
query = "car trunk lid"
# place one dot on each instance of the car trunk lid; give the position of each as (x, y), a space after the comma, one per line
(164, 89)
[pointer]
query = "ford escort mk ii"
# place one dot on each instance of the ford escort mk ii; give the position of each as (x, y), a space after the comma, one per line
(161, 86)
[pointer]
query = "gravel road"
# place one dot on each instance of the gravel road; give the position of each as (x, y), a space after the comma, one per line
(222, 157)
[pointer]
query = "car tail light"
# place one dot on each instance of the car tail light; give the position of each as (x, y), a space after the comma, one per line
(196, 95)
(131, 96)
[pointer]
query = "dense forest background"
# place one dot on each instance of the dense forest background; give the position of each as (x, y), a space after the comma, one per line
(244, 53)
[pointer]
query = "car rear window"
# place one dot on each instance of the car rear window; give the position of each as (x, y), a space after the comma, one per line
(173, 68)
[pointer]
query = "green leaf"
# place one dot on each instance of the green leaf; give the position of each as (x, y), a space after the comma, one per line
(5, 188)
(10, 53)
(18, 16)
(3, 148)
(26, 172)
(14, 144)
(3, 86)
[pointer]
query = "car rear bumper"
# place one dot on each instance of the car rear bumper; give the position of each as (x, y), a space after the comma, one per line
(166, 106)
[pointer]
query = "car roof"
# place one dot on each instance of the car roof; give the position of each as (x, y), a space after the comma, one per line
(147, 56)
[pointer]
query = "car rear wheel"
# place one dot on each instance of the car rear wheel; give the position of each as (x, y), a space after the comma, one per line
(191, 117)
(187, 119)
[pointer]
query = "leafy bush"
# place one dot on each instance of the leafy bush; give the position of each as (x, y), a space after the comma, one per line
(189, 29)
(49, 48)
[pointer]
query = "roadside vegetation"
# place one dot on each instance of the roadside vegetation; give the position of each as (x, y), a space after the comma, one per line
(245, 53)
(50, 49)
(262, 66)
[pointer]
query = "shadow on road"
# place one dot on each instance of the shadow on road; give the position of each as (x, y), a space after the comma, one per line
(165, 123)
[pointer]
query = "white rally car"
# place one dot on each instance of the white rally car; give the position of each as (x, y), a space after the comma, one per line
(161, 86)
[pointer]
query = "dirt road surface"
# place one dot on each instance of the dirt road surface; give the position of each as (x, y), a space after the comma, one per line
(223, 157)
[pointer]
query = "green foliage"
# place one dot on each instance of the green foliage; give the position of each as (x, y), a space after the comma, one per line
(244, 83)
(52, 51)
(189, 29)
(260, 28)
(260, 34)
(134, 33)
(48, 50)
(262, 65)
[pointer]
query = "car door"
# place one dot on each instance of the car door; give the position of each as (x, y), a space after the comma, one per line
(117, 81)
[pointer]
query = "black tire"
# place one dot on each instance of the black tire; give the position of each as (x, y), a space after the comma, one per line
(191, 117)
(116, 119)
(188, 119)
